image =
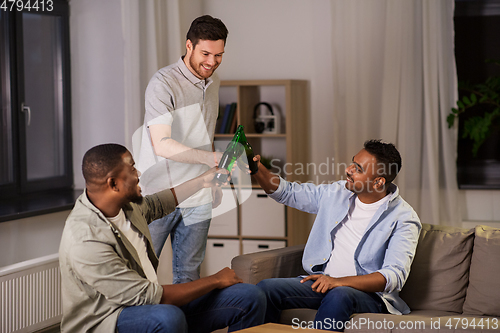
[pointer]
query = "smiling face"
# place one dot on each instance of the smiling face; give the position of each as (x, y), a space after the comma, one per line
(128, 180)
(204, 58)
(362, 175)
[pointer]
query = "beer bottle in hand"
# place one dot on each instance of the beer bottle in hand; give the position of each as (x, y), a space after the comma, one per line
(233, 151)
(249, 154)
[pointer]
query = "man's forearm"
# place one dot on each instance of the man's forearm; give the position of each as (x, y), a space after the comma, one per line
(183, 293)
(176, 151)
(187, 189)
(369, 283)
(267, 180)
(165, 146)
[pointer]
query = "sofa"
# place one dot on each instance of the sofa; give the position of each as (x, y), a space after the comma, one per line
(453, 285)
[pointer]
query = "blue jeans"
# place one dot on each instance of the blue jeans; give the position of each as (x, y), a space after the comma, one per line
(239, 306)
(334, 307)
(188, 230)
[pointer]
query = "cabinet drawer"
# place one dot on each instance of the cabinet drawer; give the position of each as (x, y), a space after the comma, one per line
(225, 216)
(219, 254)
(251, 246)
(261, 215)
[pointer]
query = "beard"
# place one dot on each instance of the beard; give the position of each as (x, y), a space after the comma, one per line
(135, 196)
(202, 73)
(137, 199)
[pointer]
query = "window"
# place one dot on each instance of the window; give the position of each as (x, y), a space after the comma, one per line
(35, 146)
(477, 24)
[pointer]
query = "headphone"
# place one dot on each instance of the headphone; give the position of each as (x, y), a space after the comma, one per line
(259, 125)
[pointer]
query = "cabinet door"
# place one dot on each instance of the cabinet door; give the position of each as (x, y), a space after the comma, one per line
(261, 215)
(251, 246)
(219, 254)
(225, 216)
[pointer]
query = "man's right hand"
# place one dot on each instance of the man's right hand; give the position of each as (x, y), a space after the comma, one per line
(267, 180)
(226, 277)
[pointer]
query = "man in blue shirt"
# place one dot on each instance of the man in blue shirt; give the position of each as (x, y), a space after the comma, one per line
(360, 248)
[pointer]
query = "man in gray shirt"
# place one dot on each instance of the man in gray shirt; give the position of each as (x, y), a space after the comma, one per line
(177, 143)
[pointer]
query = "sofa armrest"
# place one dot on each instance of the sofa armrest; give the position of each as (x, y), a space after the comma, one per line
(279, 263)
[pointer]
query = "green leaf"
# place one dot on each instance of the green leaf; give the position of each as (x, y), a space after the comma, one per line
(455, 111)
(466, 100)
(484, 99)
(451, 120)
(460, 105)
(473, 98)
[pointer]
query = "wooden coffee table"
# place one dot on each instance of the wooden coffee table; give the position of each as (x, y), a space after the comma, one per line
(275, 328)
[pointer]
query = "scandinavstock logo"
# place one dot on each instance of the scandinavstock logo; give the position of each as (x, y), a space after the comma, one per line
(159, 173)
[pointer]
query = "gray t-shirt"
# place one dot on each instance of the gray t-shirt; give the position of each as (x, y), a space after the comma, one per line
(176, 97)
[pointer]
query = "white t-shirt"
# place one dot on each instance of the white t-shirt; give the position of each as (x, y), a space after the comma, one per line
(138, 241)
(348, 236)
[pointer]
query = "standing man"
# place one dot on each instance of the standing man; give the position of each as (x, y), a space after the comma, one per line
(360, 248)
(108, 266)
(182, 104)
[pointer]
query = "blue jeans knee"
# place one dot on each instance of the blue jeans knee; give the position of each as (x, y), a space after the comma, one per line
(152, 319)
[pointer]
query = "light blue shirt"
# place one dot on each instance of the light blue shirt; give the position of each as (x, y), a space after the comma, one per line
(387, 246)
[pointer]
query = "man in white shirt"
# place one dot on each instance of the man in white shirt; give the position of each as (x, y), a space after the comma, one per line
(360, 248)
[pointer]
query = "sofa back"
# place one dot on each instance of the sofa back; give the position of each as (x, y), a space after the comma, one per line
(440, 271)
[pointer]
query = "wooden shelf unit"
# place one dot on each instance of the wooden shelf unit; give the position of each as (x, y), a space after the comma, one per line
(289, 148)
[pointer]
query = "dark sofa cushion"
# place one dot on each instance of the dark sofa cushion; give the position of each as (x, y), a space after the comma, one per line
(440, 271)
(483, 293)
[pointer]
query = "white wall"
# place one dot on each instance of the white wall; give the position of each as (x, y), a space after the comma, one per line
(481, 207)
(31, 237)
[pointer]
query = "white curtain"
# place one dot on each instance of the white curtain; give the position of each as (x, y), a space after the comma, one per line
(395, 79)
(153, 39)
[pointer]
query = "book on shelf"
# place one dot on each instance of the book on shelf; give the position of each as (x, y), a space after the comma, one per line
(232, 116)
(223, 121)
(227, 121)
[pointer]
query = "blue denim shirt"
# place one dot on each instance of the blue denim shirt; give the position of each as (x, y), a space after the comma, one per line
(387, 246)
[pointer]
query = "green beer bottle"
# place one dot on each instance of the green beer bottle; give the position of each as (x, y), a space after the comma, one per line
(249, 153)
(233, 151)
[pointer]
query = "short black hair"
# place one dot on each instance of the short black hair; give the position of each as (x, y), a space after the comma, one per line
(388, 158)
(98, 161)
(206, 27)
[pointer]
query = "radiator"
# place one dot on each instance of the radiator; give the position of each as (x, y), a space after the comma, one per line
(30, 295)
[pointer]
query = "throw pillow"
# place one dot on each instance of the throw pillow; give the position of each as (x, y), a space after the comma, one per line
(483, 293)
(440, 271)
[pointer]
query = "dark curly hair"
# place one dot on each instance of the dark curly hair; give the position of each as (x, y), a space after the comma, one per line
(98, 161)
(388, 158)
(206, 28)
